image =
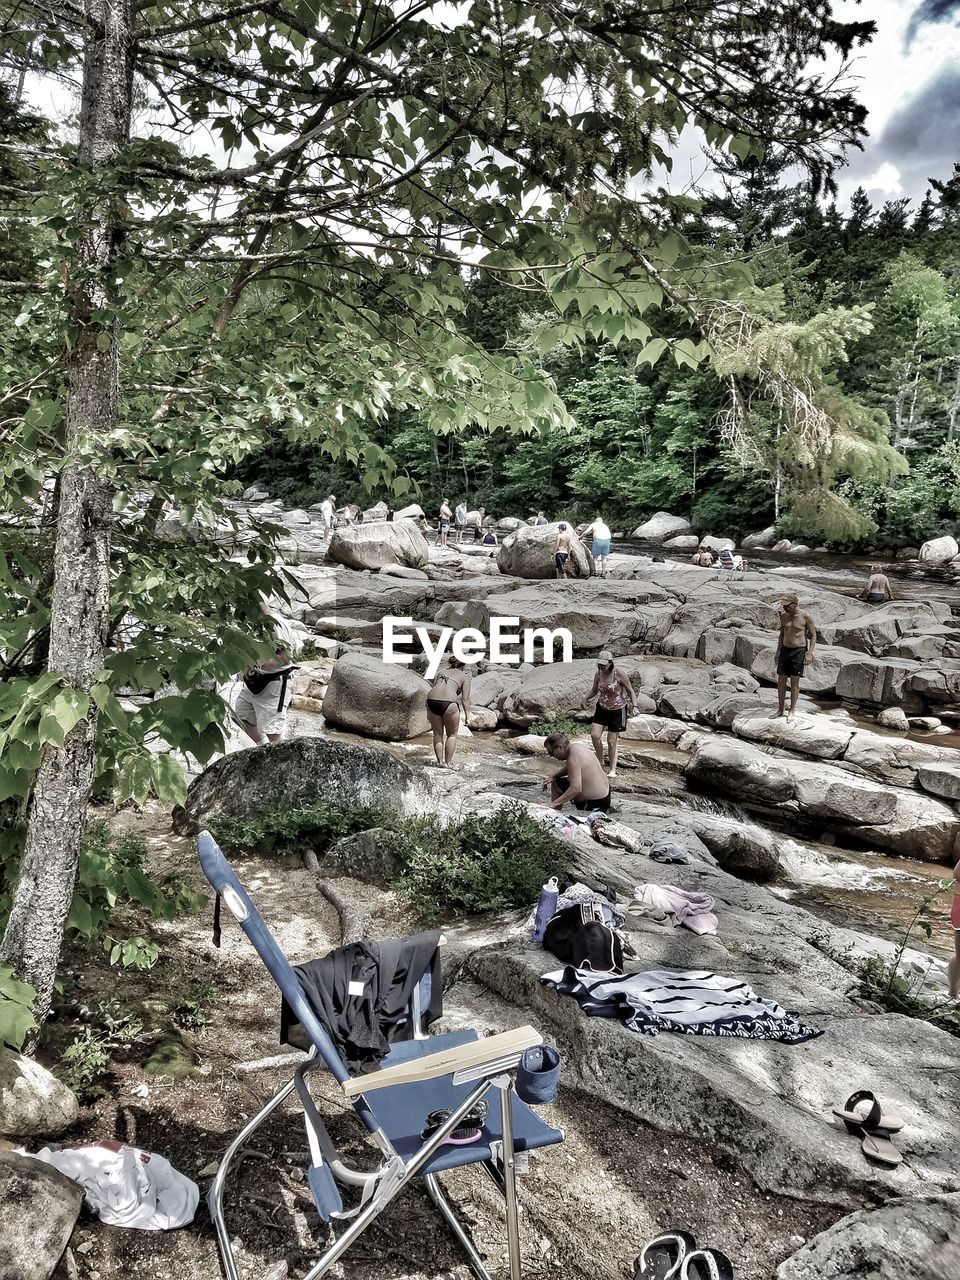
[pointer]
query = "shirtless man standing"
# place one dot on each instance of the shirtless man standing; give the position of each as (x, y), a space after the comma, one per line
(793, 649)
(561, 552)
(581, 779)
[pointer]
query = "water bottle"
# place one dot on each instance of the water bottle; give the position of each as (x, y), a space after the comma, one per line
(546, 906)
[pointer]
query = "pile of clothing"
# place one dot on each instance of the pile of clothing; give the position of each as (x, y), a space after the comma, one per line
(665, 903)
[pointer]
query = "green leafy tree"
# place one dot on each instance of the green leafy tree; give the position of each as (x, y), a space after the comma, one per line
(306, 274)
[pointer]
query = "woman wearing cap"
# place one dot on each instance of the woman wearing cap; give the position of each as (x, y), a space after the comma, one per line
(612, 690)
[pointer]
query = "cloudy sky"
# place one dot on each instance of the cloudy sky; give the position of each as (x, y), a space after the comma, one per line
(908, 77)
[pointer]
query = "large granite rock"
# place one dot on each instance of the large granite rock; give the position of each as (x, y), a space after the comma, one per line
(905, 1239)
(295, 774)
(39, 1207)
(660, 526)
(905, 822)
(371, 546)
(939, 550)
(563, 688)
(765, 538)
(376, 699)
(33, 1102)
(528, 552)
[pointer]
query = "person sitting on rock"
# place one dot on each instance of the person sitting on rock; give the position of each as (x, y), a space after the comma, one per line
(612, 690)
(795, 646)
(449, 692)
(561, 550)
(581, 779)
(877, 590)
(490, 540)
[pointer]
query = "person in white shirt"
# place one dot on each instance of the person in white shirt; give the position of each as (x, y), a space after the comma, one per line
(328, 508)
(600, 550)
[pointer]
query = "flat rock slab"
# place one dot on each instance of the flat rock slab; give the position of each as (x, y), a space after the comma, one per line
(903, 1240)
(38, 1209)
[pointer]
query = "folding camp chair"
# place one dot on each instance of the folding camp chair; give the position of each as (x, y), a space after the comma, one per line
(418, 1076)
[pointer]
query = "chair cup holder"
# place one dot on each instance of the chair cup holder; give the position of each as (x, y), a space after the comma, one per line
(538, 1075)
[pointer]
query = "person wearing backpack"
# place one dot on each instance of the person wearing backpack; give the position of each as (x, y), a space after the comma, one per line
(262, 701)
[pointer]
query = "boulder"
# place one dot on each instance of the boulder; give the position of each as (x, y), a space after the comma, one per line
(376, 699)
(33, 1102)
(371, 546)
(379, 511)
(255, 494)
(683, 542)
(894, 718)
(906, 822)
(527, 552)
(808, 735)
(661, 525)
(296, 518)
(710, 543)
(783, 545)
(39, 1207)
(940, 780)
(904, 1239)
(799, 549)
(881, 682)
(908, 553)
(482, 718)
(765, 538)
(939, 550)
(413, 511)
(511, 523)
(293, 774)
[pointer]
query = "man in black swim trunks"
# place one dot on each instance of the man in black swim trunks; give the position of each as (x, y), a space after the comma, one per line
(581, 779)
(798, 636)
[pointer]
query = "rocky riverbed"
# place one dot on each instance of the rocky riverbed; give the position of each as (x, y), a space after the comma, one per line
(816, 837)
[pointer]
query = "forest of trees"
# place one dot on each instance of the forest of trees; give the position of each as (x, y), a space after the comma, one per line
(649, 436)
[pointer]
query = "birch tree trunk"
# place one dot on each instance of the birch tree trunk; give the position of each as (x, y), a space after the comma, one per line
(80, 597)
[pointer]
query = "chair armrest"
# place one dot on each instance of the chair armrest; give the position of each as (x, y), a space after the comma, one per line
(465, 1057)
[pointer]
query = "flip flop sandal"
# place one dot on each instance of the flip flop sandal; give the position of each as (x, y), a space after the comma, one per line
(661, 1257)
(467, 1131)
(707, 1264)
(879, 1148)
(858, 1117)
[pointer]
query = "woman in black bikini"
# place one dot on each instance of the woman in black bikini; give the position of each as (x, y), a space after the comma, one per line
(450, 691)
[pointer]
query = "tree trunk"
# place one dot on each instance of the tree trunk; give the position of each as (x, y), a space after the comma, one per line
(80, 600)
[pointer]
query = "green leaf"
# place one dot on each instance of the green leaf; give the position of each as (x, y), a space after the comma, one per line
(63, 714)
(652, 352)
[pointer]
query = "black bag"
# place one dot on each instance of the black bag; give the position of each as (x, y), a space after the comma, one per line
(257, 680)
(577, 935)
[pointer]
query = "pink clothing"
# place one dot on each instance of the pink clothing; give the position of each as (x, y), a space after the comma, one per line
(695, 910)
(612, 695)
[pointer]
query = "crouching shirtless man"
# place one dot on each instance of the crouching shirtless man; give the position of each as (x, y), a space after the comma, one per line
(582, 778)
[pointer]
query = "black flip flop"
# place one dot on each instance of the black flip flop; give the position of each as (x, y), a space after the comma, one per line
(661, 1257)
(858, 1117)
(707, 1264)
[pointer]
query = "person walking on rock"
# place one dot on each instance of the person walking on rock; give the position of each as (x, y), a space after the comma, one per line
(877, 590)
(600, 532)
(449, 693)
(460, 519)
(561, 550)
(328, 509)
(798, 636)
(443, 526)
(581, 779)
(613, 691)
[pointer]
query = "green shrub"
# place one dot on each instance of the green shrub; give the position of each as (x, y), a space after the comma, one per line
(316, 826)
(566, 725)
(486, 862)
(84, 1062)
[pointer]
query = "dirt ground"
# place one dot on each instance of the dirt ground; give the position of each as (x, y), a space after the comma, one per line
(588, 1205)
